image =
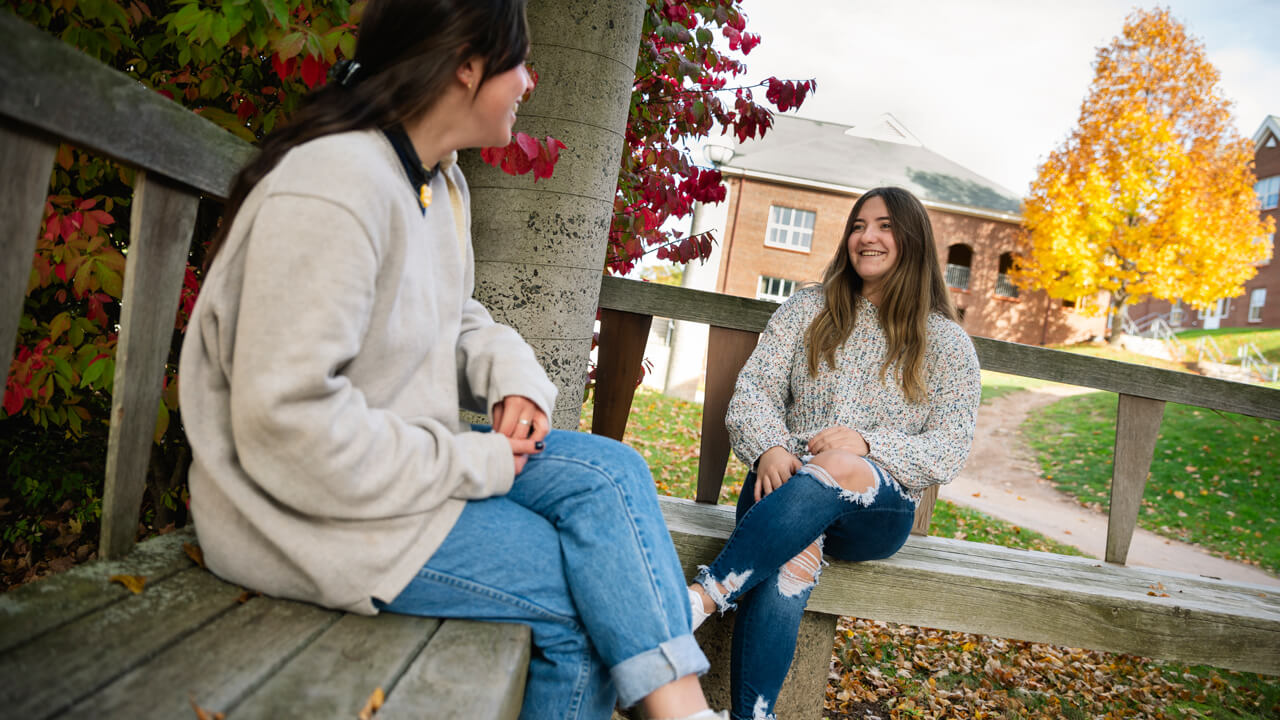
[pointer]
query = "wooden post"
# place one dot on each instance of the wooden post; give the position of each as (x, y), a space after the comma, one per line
(162, 219)
(25, 163)
(622, 340)
(1137, 426)
(924, 513)
(727, 352)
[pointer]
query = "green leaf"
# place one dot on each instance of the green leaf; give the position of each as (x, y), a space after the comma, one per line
(58, 325)
(64, 370)
(221, 32)
(290, 45)
(162, 423)
(94, 372)
(347, 44)
(229, 121)
(185, 19)
(111, 282)
(704, 36)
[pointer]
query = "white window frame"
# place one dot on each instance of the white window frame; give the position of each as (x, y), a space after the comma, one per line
(1268, 190)
(774, 289)
(1269, 242)
(787, 228)
(1176, 314)
(1257, 299)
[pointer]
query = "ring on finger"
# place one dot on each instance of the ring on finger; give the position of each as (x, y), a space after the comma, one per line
(524, 422)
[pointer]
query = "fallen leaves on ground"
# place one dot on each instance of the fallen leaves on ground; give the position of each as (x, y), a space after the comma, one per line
(134, 583)
(372, 704)
(202, 714)
(195, 553)
(899, 672)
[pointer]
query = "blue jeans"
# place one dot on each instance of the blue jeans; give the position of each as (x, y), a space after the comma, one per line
(577, 550)
(769, 596)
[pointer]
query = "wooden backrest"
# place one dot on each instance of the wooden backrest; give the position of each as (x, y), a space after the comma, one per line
(629, 306)
(52, 93)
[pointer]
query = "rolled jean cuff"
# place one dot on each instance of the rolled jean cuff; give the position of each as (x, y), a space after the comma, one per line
(639, 675)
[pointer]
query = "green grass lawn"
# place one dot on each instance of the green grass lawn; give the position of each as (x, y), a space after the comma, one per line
(1229, 339)
(1215, 479)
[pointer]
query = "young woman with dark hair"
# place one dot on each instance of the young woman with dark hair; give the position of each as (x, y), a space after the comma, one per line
(861, 393)
(333, 342)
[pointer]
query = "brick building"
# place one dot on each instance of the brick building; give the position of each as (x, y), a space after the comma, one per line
(790, 193)
(1259, 305)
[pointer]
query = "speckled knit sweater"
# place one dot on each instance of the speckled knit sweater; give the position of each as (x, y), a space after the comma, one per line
(777, 403)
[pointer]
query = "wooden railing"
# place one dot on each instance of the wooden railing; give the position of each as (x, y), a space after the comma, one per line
(628, 307)
(51, 93)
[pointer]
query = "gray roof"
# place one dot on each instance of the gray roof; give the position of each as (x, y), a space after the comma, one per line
(821, 151)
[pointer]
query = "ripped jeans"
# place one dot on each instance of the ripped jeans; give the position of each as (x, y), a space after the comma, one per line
(578, 551)
(756, 568)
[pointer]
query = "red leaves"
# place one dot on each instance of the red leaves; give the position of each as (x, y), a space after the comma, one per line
(525, 154)
(283, 68)
(787, 94)
(313, 71)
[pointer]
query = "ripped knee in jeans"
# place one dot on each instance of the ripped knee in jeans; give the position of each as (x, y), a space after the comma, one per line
(853, 475)
(801, 572)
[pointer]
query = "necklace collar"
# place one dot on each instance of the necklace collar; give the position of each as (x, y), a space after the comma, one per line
(419, 175)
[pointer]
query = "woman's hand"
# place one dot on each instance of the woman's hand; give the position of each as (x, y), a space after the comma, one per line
(516, 416)
(838, 437)
(775, 467)
(524, 425)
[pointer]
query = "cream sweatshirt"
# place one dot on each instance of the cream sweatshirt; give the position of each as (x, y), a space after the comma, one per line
(332, 344)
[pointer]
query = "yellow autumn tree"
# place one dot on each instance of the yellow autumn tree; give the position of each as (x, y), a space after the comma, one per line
(1152, 193)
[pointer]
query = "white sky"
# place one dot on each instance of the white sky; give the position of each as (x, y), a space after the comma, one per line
(994, 85)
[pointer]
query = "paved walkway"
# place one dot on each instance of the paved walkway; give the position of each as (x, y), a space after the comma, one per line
(1002, 479)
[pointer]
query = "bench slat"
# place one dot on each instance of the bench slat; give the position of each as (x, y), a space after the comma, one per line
(622, 340)
(335, 675)
(218, 665)
(468, 670)
(162, 220)
(78, 658)
(35, 608)
(1040, 597)
(25, 163)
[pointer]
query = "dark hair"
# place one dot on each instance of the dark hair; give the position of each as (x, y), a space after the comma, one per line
(913, 289)
(408, 51)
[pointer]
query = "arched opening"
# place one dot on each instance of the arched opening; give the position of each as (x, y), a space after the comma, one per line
(959, 263)
(1004, 284)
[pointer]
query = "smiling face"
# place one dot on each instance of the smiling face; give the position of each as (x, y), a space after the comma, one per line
(495, 104)
(873, 250)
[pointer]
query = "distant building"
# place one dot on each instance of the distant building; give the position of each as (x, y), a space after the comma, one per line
(790, 193)
(1259, 305)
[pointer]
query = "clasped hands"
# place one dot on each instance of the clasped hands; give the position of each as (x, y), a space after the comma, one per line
(524, 425)
(777, 465)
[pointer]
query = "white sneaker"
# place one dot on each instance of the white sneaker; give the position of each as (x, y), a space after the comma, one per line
(699, 615)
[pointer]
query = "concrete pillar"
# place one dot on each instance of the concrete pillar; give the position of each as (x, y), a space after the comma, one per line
(540, 247)
(689, 339)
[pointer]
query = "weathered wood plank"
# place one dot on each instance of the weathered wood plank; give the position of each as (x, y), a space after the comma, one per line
(217, 666)
(678, 303)
(468, 670)
(335, 675)
(35, 608)
(78, 658)
(25, 163)
(1025, 360)
(47, 84)
(967, 587)
(727, 352)
(622, 339)
(1137, 427)
(162, 220)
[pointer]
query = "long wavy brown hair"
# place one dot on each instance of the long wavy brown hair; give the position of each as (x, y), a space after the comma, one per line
(408, 51)
(913, 289)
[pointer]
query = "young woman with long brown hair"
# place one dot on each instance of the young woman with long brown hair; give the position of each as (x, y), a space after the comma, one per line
(333, 342)
(861, 393)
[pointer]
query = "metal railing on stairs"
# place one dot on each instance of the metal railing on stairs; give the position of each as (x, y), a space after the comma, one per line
(1251, 359)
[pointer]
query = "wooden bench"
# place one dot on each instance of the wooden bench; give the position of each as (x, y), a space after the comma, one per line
(953, 584)
(77, 645)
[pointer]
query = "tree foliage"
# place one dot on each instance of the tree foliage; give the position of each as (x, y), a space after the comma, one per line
(682, 92)
(1152, 193)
